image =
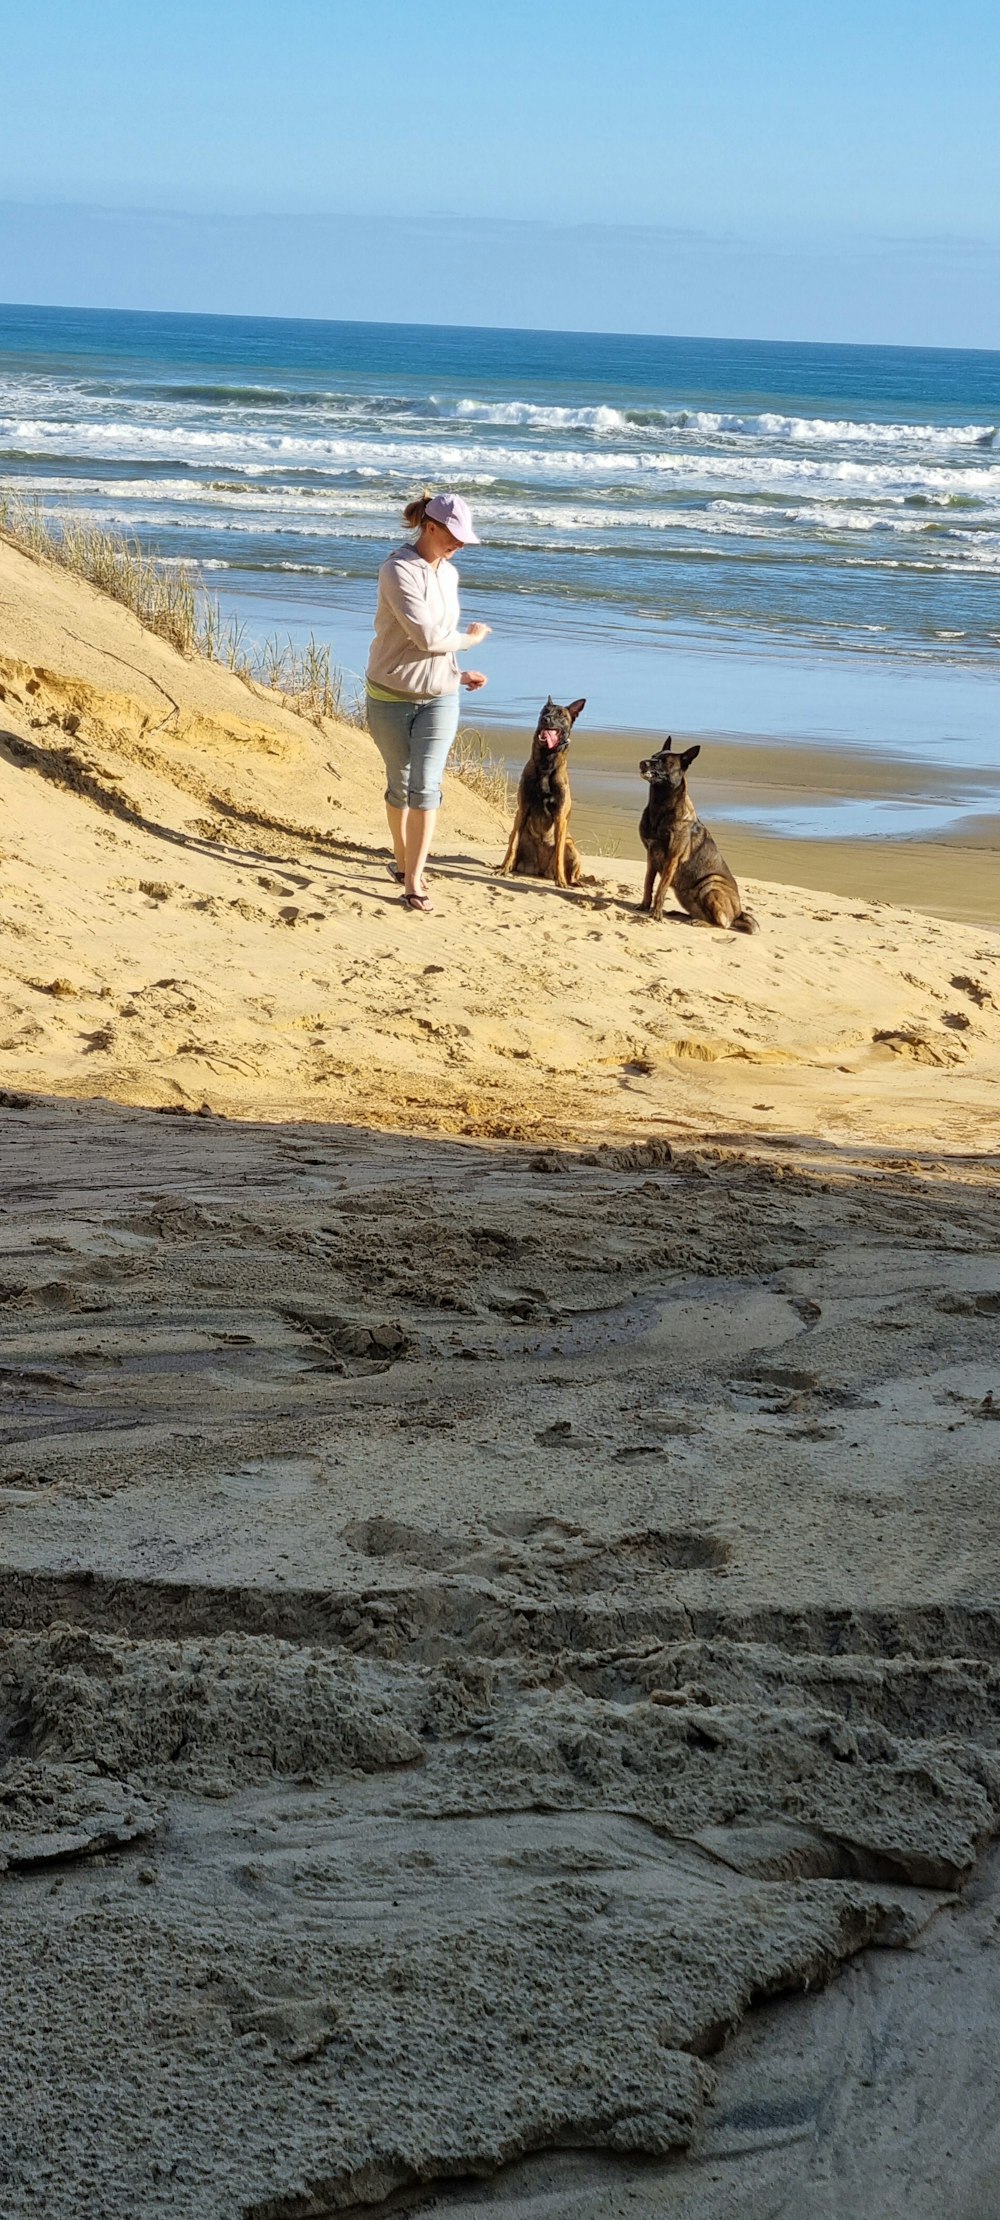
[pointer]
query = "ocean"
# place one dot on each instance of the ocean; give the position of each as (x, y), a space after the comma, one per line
(771, 543)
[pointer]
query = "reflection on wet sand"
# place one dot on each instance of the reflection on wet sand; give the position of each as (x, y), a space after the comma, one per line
(887, 828)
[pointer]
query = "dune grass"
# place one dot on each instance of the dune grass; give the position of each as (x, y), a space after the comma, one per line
(473, 762)
(167, 600)
(305, 675)
(162, 595)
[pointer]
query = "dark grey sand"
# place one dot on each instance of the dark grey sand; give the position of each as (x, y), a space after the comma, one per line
(488, 1637)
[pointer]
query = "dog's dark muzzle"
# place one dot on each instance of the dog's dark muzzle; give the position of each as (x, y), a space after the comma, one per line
(548, 737)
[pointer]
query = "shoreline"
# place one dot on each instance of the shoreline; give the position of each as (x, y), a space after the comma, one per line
(649, 673)
(879, 751)
(954, 873)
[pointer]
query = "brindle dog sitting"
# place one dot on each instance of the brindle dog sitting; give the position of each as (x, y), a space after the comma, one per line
(540, 846)
(680, 850)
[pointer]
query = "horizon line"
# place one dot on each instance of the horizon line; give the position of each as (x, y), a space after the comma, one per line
(523, 331)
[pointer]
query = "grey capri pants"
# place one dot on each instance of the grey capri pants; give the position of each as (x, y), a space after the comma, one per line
(414, 739)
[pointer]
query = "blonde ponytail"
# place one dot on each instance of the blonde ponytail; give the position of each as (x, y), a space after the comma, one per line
(415, 512)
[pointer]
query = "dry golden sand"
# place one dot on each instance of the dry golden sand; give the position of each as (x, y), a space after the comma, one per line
(498, 1533)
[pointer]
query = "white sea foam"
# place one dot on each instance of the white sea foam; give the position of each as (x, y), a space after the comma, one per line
(648, 424)
(208, 410)
(542, 524)
(536, 415)
(818, 431)
(410, 459)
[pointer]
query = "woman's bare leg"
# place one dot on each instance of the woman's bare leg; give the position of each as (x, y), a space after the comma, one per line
(418, 834)
(397, 827)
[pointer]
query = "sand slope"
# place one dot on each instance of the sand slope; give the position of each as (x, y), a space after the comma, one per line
(197, 910)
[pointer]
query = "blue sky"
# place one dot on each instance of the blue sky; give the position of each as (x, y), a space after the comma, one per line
(815, 171)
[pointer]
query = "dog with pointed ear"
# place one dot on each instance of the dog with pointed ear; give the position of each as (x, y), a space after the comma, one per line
(540, 846)
(681, 853)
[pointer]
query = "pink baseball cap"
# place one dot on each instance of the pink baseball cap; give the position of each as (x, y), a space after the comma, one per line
(455, 514)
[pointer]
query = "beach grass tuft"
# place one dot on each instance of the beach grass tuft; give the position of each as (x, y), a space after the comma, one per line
(162, 595)
(473, 761)
(303, 674)
(167, 600)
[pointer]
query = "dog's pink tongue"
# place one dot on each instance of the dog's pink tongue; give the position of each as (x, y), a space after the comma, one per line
(550, 738)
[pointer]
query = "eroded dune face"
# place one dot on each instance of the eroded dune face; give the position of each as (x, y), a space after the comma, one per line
(476, 1623)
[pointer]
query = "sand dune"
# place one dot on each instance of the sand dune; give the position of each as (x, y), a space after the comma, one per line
(499, 1591)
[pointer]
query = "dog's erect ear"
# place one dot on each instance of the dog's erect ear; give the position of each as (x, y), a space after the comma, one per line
(688, 757)
(573, 708)
(667, 745)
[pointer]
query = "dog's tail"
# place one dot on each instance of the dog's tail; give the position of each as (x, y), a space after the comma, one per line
(745, 922)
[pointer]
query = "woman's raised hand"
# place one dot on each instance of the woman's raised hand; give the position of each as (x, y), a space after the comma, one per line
(479, 632)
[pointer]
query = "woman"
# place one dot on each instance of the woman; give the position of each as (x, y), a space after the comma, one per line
(413, 678)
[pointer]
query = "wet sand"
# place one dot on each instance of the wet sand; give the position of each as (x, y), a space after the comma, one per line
(951, 870)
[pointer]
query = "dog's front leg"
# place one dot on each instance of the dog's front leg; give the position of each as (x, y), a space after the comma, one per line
(647, 892)
(507, 865)
(667, 876)
(562, 828)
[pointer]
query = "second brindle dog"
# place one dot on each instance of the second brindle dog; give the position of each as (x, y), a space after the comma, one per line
(540, 846)
(681, 852)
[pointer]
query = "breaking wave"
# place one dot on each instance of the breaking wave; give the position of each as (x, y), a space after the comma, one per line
(804, 431)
